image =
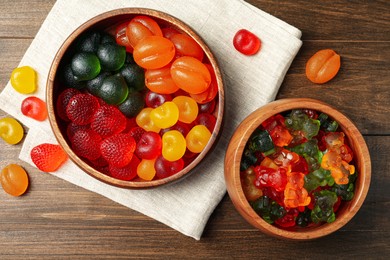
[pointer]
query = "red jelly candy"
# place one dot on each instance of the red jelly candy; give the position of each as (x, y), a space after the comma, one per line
(183, 128)
(72, 128)
(246, 42)
(153, 99)
(165, 168)
(149, 146)
(108, 120)
(126, 173)
(207, 107)
(85, 143)
(48, 157)
(63, 100)
(207, 120)
(136, 132)
(35, 108)
(118, 149)
(81, 108)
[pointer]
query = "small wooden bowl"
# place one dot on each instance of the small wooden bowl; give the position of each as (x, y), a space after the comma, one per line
(237, 145)
(107, 21)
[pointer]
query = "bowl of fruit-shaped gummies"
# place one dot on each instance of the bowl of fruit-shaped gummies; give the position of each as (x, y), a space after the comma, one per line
(135, 98)
(297, 169)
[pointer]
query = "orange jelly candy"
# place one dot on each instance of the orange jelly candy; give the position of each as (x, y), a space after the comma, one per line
(14, 179)
(190, 75)
(140, 27)
(154, 52)
(323, 66)
(160, 81)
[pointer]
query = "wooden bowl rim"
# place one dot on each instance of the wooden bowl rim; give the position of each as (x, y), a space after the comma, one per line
(240, 138)
(131, 12)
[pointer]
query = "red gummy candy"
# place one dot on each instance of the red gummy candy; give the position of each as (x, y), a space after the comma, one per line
(63, 100)
(126, 173)
(207, 120)
(136, 132)
(118, 149)
(48, 157)
(108, 120)
(165, 168)
(149, 146)
(72, 128)
(85, 143)
(81, 108)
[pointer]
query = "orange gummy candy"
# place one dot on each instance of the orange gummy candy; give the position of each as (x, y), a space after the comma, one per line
(14, 180)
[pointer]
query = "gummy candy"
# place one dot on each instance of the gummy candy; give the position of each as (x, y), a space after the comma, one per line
(23, 80)
(14, 179)
(81, 108)
(118, 149)
(149, 146)
(35, 108)
(85, 143)
(246, 42)
(323, 66)
(108, 120)
(197, 138)
(48, 157)
(127, 173)
(11, 130)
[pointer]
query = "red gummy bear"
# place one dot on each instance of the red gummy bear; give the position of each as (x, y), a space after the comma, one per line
(118, 149)
(48, 157)
(108, 120)
(85, 143)
(81, 108)
(63, 100)
(126, 173)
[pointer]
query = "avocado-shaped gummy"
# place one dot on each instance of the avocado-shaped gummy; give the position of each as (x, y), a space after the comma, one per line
(134, 76)
(69, 79)
(88, 42)
(111, 56)
(94, 84)
(85, 66)
(113, 90)
(133, 104)
(107, 38)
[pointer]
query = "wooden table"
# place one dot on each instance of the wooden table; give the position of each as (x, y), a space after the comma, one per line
(57, 220)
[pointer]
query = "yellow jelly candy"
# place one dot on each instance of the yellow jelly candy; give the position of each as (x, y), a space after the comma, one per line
(11, 130)
(23, 80)
(146, 170)
(14, 180)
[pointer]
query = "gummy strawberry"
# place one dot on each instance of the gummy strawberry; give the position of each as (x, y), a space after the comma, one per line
(99, 162)
(72, 128)
(118, 149)
(48, 157)
(63, 100)
(126, 173)
(81, 108)
(136, 132)
(86, 143)
(130, 123)
(108, 120)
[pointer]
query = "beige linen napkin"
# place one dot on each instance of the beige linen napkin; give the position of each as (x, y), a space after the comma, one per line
(250, 81)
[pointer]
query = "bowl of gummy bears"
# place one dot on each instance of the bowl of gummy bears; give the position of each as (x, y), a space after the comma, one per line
(297, 169)
(135, 98)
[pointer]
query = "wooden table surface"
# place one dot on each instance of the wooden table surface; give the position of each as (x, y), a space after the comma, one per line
(58, 220)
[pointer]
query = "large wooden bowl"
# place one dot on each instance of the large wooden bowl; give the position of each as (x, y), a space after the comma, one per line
(234, 154)
(106, 21)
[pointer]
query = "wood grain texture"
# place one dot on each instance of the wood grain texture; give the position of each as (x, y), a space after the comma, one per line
(57, 220)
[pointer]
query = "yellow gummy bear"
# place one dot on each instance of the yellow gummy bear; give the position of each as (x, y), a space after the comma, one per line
(23, 80)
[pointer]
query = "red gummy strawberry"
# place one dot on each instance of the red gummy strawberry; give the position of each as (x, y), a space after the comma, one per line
(63, 100)
(81, 108)
(136, 133)
(126, 173)
(108, 120)
(86, 143)
(99, 162)
(48, 157)
(118, 149)
(72, 128)
(130, 123)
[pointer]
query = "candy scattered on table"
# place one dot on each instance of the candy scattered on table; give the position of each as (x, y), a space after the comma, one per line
(246, 42)
(11, 130)
(297, 168)
(323, 66)
(14, 180)
(35, 108)
(23, 80)
(48, 157)
(138, 104)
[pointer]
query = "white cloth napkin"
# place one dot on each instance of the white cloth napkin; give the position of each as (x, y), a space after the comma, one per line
(250, 82)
